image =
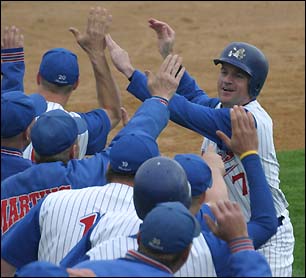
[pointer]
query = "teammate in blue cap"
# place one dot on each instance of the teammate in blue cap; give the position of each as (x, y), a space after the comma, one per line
(58, 78)
(96, 202)
(18, 113)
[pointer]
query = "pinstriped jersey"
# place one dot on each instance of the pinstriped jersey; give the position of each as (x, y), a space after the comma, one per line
(67, 215)
(198, 264)
(235, 176)
(82, 138)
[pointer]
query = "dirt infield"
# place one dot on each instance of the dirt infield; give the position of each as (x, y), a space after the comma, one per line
(203, 29)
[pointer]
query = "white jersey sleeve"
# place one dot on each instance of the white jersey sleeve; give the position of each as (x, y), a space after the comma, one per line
(82, 138)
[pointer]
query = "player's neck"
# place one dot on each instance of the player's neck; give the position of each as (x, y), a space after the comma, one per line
(122, 180)
(52, 97)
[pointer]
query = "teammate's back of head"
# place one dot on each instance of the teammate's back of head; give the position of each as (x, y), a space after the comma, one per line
(160, 179)
(59, 66)
(128, 153)
(197, 171)
(18, 110)
(55, 131)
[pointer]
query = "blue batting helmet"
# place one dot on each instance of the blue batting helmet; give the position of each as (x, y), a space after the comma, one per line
(160, 179)
(251, 60)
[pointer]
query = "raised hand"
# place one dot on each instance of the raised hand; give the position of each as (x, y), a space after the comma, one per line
(167, 79)
(98, 24)
(119, 56)
(230, 223)
(12, 38)
(244, 133)
(165, 36)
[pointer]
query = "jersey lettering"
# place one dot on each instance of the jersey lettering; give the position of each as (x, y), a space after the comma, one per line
(88, 220)
(244, 186)
(15, 208)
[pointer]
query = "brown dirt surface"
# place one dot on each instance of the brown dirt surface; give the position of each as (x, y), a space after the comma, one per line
(203, 29)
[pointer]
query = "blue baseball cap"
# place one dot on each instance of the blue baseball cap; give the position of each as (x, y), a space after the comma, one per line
(130, 151)
(169, 228)
(55, 131)
(18, 110)
(41, 269)
(59, 66)
(197, 171)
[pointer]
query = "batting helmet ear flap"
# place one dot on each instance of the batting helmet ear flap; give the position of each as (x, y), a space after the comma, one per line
(160, 179)
(251, 60)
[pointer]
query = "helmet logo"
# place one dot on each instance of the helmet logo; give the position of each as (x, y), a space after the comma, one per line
(238, 53)
(124, 164)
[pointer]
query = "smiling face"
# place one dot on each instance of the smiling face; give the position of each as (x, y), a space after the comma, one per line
(233, 86)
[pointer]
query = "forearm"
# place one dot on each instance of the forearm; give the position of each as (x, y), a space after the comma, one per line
(12, 69)
(218, 191)
(263, 222)
(191, 91)
(149, 119)
(108, 93)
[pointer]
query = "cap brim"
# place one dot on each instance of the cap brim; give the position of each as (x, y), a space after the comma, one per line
(40, 103)
(81, 124)
(234, 63)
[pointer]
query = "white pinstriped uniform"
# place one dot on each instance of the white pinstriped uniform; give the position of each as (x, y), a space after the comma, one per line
(60, 226)
(279, 249)
(62, 214)
(82, 138)
(198, 264)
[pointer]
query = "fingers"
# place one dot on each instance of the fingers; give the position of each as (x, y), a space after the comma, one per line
(12, 38)
(226, 140)
(211, 224)
(172, 64)
(111, 44)
(75, 32)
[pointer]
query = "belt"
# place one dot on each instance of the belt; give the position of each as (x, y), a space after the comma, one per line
(280, 220)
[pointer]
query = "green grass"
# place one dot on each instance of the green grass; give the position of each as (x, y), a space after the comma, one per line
(292, 177)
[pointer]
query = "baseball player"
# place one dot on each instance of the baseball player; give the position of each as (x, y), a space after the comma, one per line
(243, 72)
(18, 112)
(261, 227)
(83, 207)
(53, 136)
(58, 77)
(156, 237)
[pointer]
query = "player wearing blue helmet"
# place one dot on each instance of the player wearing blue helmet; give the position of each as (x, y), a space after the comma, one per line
(243, 73)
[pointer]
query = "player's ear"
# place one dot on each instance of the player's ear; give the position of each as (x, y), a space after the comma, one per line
(76, 84)
(74, 151)
(38, 79)
(138, 238)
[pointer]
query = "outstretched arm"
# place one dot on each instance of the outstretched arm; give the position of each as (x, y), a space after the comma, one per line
(12, 60)
(153, 115)
(93, 43)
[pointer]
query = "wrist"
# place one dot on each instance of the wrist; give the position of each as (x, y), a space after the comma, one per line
(247, 153)
(240, 244)
(161, 99)
(128, 72)
(12, 54)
